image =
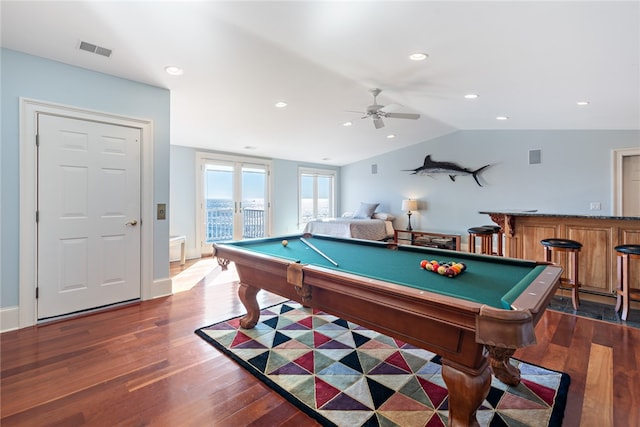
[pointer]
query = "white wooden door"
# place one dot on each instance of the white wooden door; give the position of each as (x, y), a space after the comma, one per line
(631, 185)
(88, 215)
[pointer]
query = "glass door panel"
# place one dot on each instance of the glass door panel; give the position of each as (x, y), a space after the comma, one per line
(254, 197)
(219, 204)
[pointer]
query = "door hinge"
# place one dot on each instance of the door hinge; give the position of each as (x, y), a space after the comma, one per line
(37, 140)
(37, 292)
(37, 216)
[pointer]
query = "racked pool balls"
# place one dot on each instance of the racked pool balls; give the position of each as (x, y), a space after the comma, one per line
(285, 242)
(444, 268)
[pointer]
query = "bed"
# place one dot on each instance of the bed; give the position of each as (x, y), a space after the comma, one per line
(365, 224)
(368, 229)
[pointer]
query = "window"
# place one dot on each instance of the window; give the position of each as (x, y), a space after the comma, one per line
(317, 195)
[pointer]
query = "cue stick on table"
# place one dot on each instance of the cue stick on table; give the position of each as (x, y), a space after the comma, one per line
(303, 240)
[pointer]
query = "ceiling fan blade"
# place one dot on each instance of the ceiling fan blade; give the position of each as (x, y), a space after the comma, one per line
(378, 123)
(402, 116)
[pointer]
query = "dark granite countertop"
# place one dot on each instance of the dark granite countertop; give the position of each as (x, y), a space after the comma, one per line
(516, 212)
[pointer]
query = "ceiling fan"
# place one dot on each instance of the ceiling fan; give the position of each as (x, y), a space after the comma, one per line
(377, 112)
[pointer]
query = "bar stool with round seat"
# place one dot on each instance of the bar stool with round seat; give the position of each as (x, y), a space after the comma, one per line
(625, 291)
(486, 240)
(573, 248)
(497, 231)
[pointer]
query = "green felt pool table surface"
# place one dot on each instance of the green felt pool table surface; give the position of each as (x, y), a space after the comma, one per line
(495, 281)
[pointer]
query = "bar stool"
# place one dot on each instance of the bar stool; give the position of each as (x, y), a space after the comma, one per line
(573, 247)
(625, 291)
(486, 240)
(497, 231)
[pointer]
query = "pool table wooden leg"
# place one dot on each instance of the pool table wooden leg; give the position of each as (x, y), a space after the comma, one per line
(248, 298)
(466, 392)
(503, 370)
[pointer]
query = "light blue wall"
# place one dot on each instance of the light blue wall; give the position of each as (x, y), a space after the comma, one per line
(576, 169)
(38, 78)
(284, 187)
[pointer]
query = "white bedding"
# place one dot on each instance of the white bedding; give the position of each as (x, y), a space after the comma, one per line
(367, 229)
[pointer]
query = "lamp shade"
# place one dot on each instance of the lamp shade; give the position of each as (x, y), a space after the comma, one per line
(409, 205)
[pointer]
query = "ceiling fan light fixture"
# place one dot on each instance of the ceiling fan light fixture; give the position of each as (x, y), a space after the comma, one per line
(418, 56)
(347, 124)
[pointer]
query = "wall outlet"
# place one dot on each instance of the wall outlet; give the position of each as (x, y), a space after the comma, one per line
(595, 206)
(161, 211)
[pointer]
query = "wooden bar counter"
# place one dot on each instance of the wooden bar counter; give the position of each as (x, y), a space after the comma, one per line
(599, 236)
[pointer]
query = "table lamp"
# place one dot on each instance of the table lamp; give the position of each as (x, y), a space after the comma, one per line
(409, 205)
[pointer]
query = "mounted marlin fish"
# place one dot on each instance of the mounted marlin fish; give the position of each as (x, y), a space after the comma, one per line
(432, 167)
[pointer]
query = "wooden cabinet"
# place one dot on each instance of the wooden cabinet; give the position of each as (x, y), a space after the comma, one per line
(427, 238)
(598, 235)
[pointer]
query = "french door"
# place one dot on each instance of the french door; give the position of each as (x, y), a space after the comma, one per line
(233, 200)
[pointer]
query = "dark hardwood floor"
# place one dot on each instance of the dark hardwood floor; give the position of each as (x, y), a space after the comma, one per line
(143, 365)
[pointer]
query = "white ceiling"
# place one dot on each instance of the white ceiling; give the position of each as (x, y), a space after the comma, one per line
(530, 61)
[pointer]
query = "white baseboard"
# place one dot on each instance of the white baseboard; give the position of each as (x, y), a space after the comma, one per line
(9, 318)
(161, 288)
(175, 255)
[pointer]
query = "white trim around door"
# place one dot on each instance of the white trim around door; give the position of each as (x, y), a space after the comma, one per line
(29, 110)
(618, 156)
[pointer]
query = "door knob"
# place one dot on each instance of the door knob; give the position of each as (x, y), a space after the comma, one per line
(132, 222)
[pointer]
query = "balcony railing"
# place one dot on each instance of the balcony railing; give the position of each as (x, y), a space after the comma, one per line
(252, 223)
(219, 225)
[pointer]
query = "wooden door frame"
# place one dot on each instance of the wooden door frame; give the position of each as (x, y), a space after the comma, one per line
(29, 110)
(618, 156)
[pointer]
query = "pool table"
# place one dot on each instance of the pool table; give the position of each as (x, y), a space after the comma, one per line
(494, 304)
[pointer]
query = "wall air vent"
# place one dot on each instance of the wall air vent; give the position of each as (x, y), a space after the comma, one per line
(98, 50)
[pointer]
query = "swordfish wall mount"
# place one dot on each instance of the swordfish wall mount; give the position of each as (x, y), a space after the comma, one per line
(432, 167)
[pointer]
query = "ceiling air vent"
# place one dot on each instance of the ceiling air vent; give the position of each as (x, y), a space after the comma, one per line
(98, 50)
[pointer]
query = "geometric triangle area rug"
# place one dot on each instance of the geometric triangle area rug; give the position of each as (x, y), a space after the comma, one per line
(342, 374)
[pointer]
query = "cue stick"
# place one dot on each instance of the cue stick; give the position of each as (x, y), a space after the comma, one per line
(303, 240)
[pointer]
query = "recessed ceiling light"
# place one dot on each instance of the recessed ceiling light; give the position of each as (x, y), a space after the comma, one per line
(326, 158)
(249, 147)
(347, 124)
(582, 103)
(280, 104)
(471, 96)
(418, 56)
(502, 118)
(391, 136)
(173, 70)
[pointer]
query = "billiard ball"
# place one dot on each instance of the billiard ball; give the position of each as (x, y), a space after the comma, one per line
(424, 263)
(285, 242)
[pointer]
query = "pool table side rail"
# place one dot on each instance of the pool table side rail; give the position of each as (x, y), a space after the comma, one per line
(546, 283)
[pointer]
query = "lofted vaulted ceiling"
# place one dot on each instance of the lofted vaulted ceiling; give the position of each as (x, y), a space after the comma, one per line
(529, 61)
